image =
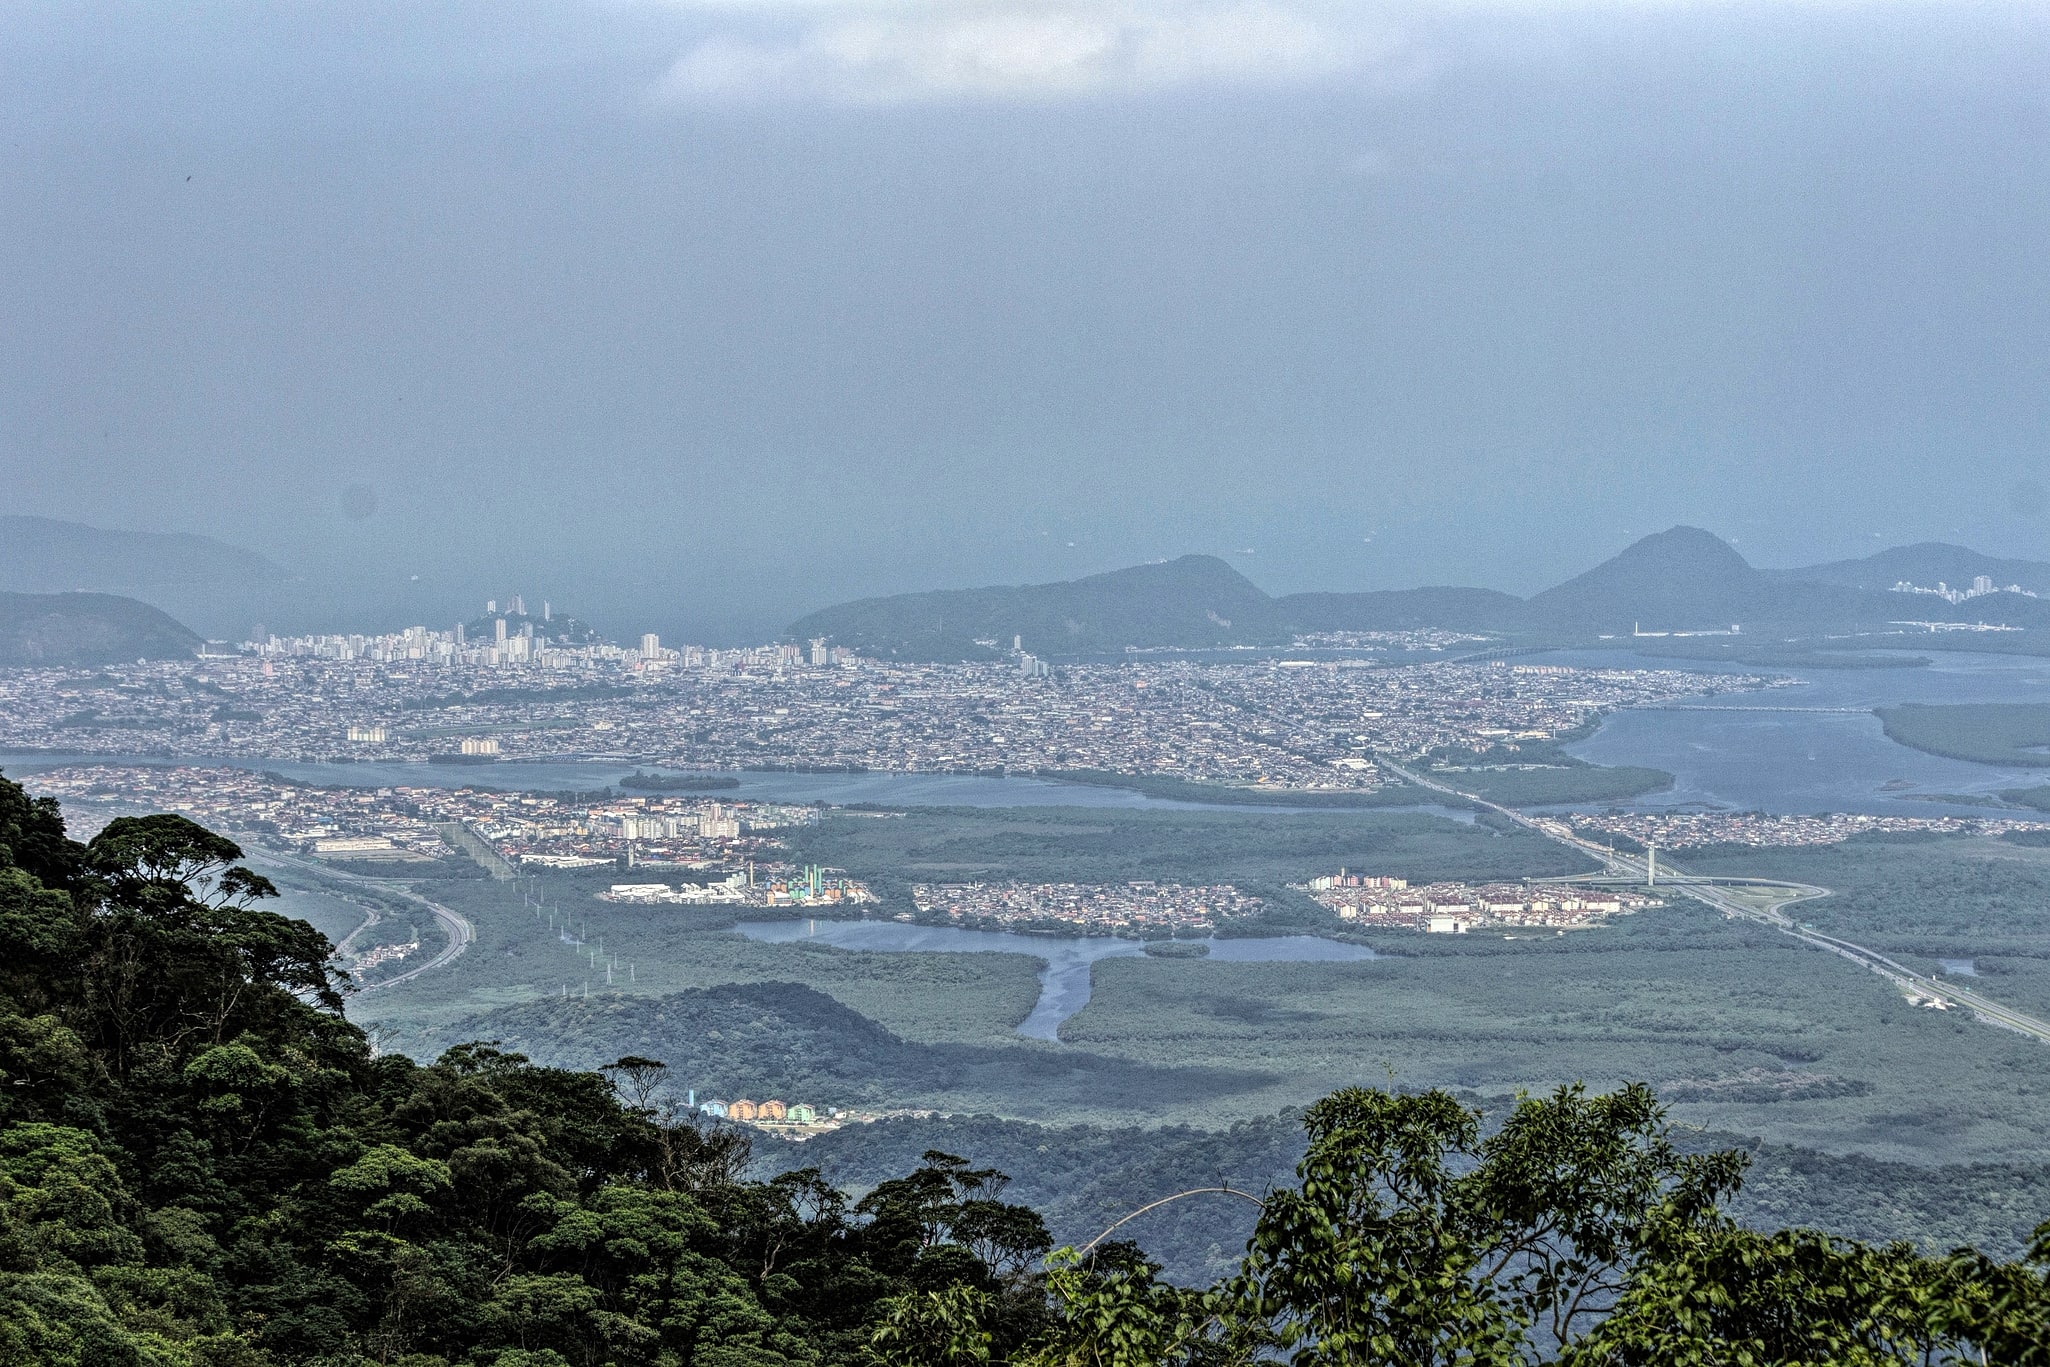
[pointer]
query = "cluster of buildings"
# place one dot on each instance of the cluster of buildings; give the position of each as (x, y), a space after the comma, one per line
(563, 831)
(1295, 725)
(1084, 908)
(811, 886)
(1455, 908)
(1982, 585)
(1684, 830)
(380, 955)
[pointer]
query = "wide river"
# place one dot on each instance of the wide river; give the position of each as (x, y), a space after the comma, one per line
(1751, 754)
(552, 776)
(1064, 980)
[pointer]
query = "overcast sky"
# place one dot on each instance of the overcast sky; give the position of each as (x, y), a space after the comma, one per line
(699, 313)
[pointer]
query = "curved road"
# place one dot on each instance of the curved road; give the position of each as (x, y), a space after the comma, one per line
(1715, 894)
(461, 934)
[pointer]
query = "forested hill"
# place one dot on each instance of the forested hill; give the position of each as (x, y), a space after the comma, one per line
(202, 1164)
(1926, 563)
(1682, 579)
(87, 629)
(1192, 602)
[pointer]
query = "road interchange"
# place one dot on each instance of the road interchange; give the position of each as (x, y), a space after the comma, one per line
(460, 932)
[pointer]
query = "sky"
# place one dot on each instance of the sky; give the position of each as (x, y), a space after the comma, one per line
(694, 315)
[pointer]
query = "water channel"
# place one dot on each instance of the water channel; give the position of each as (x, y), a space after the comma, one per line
(838, 789)
(1065, 978)
(1748, 753)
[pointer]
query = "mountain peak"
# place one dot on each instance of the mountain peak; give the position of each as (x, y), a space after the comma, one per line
(1683, 547)
(1679, 579)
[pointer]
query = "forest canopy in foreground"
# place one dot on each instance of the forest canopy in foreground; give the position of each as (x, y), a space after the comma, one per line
(203, 1165)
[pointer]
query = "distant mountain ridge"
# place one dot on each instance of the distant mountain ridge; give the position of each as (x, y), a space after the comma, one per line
(1684, 579)
(1192, 602)
(44, 555)
(1925, 565)
(69, 629)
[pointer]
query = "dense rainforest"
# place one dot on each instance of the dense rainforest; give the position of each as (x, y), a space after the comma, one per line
(204, 1164)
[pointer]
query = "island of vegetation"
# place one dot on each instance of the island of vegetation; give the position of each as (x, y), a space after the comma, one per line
(678, 783)
(2015, 734)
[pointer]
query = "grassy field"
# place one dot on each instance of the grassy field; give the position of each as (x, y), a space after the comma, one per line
(931, 998)
(1743, 1029)
(1252, 849)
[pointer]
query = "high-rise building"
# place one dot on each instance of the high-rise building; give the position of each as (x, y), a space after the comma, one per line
(651, 645)
(459, 633)
(500, 629)
(490, 605)
(547, 611)
(818, 651)
(1982, 584)
(475, 745)
(519, 606)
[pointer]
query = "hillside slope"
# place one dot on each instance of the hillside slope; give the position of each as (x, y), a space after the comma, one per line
(87, 629)
(1925, 564)
(1192, 602)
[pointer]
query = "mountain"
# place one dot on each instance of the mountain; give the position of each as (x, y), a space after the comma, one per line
(1925, 565)
(43, 555)
(87, 629)
(1687, 579)
(1684, 578)
(1192, 602)
(1680, 580)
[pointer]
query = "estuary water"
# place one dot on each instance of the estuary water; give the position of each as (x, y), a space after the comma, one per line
(1064, 980)
(877, 790)
(1754, 752)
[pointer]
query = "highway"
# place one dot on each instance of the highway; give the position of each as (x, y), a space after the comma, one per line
(1720, 895)
(461, 934)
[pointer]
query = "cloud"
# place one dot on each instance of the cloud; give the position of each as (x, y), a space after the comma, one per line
(1010, 49)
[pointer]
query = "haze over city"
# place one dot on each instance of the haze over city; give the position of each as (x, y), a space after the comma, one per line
(695, 317)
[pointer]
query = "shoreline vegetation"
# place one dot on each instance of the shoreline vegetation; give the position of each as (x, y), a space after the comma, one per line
(641, 782)
(1222, 795)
